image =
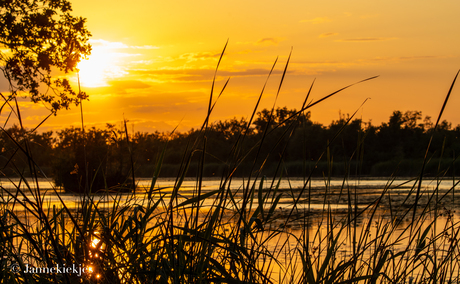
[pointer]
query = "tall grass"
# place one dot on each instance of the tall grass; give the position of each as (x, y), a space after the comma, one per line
(228, 235)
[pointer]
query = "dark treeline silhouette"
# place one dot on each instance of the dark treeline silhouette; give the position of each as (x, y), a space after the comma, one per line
(346, 146)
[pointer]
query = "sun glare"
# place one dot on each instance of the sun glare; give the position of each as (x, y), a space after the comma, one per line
(102, 66)
(94, 242)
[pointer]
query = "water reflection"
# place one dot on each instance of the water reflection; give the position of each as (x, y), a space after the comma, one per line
(339, 193)
(95, 254)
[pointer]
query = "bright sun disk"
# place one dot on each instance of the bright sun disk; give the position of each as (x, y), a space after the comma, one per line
(99, 68)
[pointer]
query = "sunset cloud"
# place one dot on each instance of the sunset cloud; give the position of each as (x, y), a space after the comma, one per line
(357, 62)
(317, 20)
(404, 58)
(365, 39)
(199, 75)
(128, 84)
(191, 57)
(143, 47)
(328, 35)
(269, 40)
(418, 57)
(118, 45)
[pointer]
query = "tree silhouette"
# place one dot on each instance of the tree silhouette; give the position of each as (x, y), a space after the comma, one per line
(106, 165)
(41, 37)
(396, 147)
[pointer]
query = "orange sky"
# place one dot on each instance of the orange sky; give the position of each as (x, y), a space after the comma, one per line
(153, 61)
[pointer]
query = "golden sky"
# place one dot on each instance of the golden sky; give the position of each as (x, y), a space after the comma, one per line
(153, 61)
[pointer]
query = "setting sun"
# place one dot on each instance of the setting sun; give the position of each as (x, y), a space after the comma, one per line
(100, 67)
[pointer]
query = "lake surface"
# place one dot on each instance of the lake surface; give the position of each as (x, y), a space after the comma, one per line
(335, 193)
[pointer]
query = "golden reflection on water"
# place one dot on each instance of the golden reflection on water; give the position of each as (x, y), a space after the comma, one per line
(370, 239)
(94, 242)
(95, 253)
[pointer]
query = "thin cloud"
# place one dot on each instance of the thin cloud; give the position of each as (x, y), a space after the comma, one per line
(116, 87)
(247, 51)
(405, 58)
(262, 41)
(365, 39)
(269, 40)
(328, 34)
(328, 62)
(164, 75)
(107, 44)
(118, 45)
(190, 57)
(317, 20)
(331, 63)
(144, 47)
(418, 57)
(128, 84)
(206, 72)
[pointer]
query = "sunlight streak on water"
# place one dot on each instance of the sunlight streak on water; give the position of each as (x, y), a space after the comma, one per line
(368, 190)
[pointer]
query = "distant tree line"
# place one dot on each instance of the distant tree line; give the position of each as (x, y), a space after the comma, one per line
(279, 141)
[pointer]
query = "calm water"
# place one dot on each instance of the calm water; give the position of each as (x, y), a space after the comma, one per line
(338, 192)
